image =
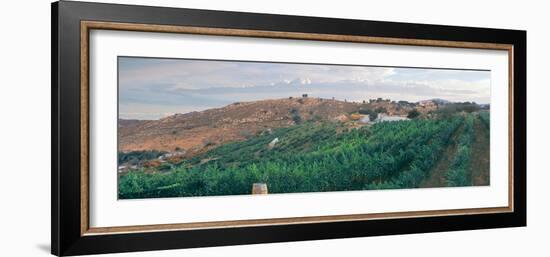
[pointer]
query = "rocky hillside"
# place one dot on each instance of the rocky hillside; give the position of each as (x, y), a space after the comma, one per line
(196, 132)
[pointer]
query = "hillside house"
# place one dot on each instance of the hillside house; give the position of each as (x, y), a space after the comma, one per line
(383, 117)
(364, 119)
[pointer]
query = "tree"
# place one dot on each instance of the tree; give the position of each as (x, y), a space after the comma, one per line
(381, 110)
(413, 114)
(373, 116)
(296, 118)
(365, 111)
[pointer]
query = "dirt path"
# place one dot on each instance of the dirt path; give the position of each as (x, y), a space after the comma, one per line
(437, 174)
(480, 155)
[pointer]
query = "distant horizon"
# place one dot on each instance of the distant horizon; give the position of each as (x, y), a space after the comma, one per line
(366, 100)
(153, 88)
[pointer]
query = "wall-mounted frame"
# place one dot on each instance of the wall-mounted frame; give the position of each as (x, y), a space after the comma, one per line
(110, 69)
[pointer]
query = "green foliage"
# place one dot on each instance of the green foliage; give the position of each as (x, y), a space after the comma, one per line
(381, 110)
(296, 118)
(485, 118)
(164, 167)
(295, 115)
(137, 157)
(451, 109)
(373, 116)
(459, 172)
(423, 153)
(413, 114)
(365, 111)
(309, 157)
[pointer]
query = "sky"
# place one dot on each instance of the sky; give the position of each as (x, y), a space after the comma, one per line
(152, 88)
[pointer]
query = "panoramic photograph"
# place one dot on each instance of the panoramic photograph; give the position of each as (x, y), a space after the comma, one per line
(191, 128)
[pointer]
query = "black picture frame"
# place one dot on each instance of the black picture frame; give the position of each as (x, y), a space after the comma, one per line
(66, 237)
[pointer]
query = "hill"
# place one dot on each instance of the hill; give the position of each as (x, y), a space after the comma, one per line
(319, 152)
(197, 132)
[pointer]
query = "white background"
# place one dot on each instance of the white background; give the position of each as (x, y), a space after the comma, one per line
(25, 130)
(106, 211)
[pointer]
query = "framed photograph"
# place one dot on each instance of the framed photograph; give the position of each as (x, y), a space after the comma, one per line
(178, 128)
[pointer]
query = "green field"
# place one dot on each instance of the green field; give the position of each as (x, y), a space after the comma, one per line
(319, 157)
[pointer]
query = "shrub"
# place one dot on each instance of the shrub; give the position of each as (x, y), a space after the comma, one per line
(413, 114)
(373, 116)
(296, 118)
(365, 109)
(138, 157)
(295, 115)
(381, 110)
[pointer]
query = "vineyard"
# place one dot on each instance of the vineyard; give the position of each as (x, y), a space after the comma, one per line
(320, 157)
(458, 174)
